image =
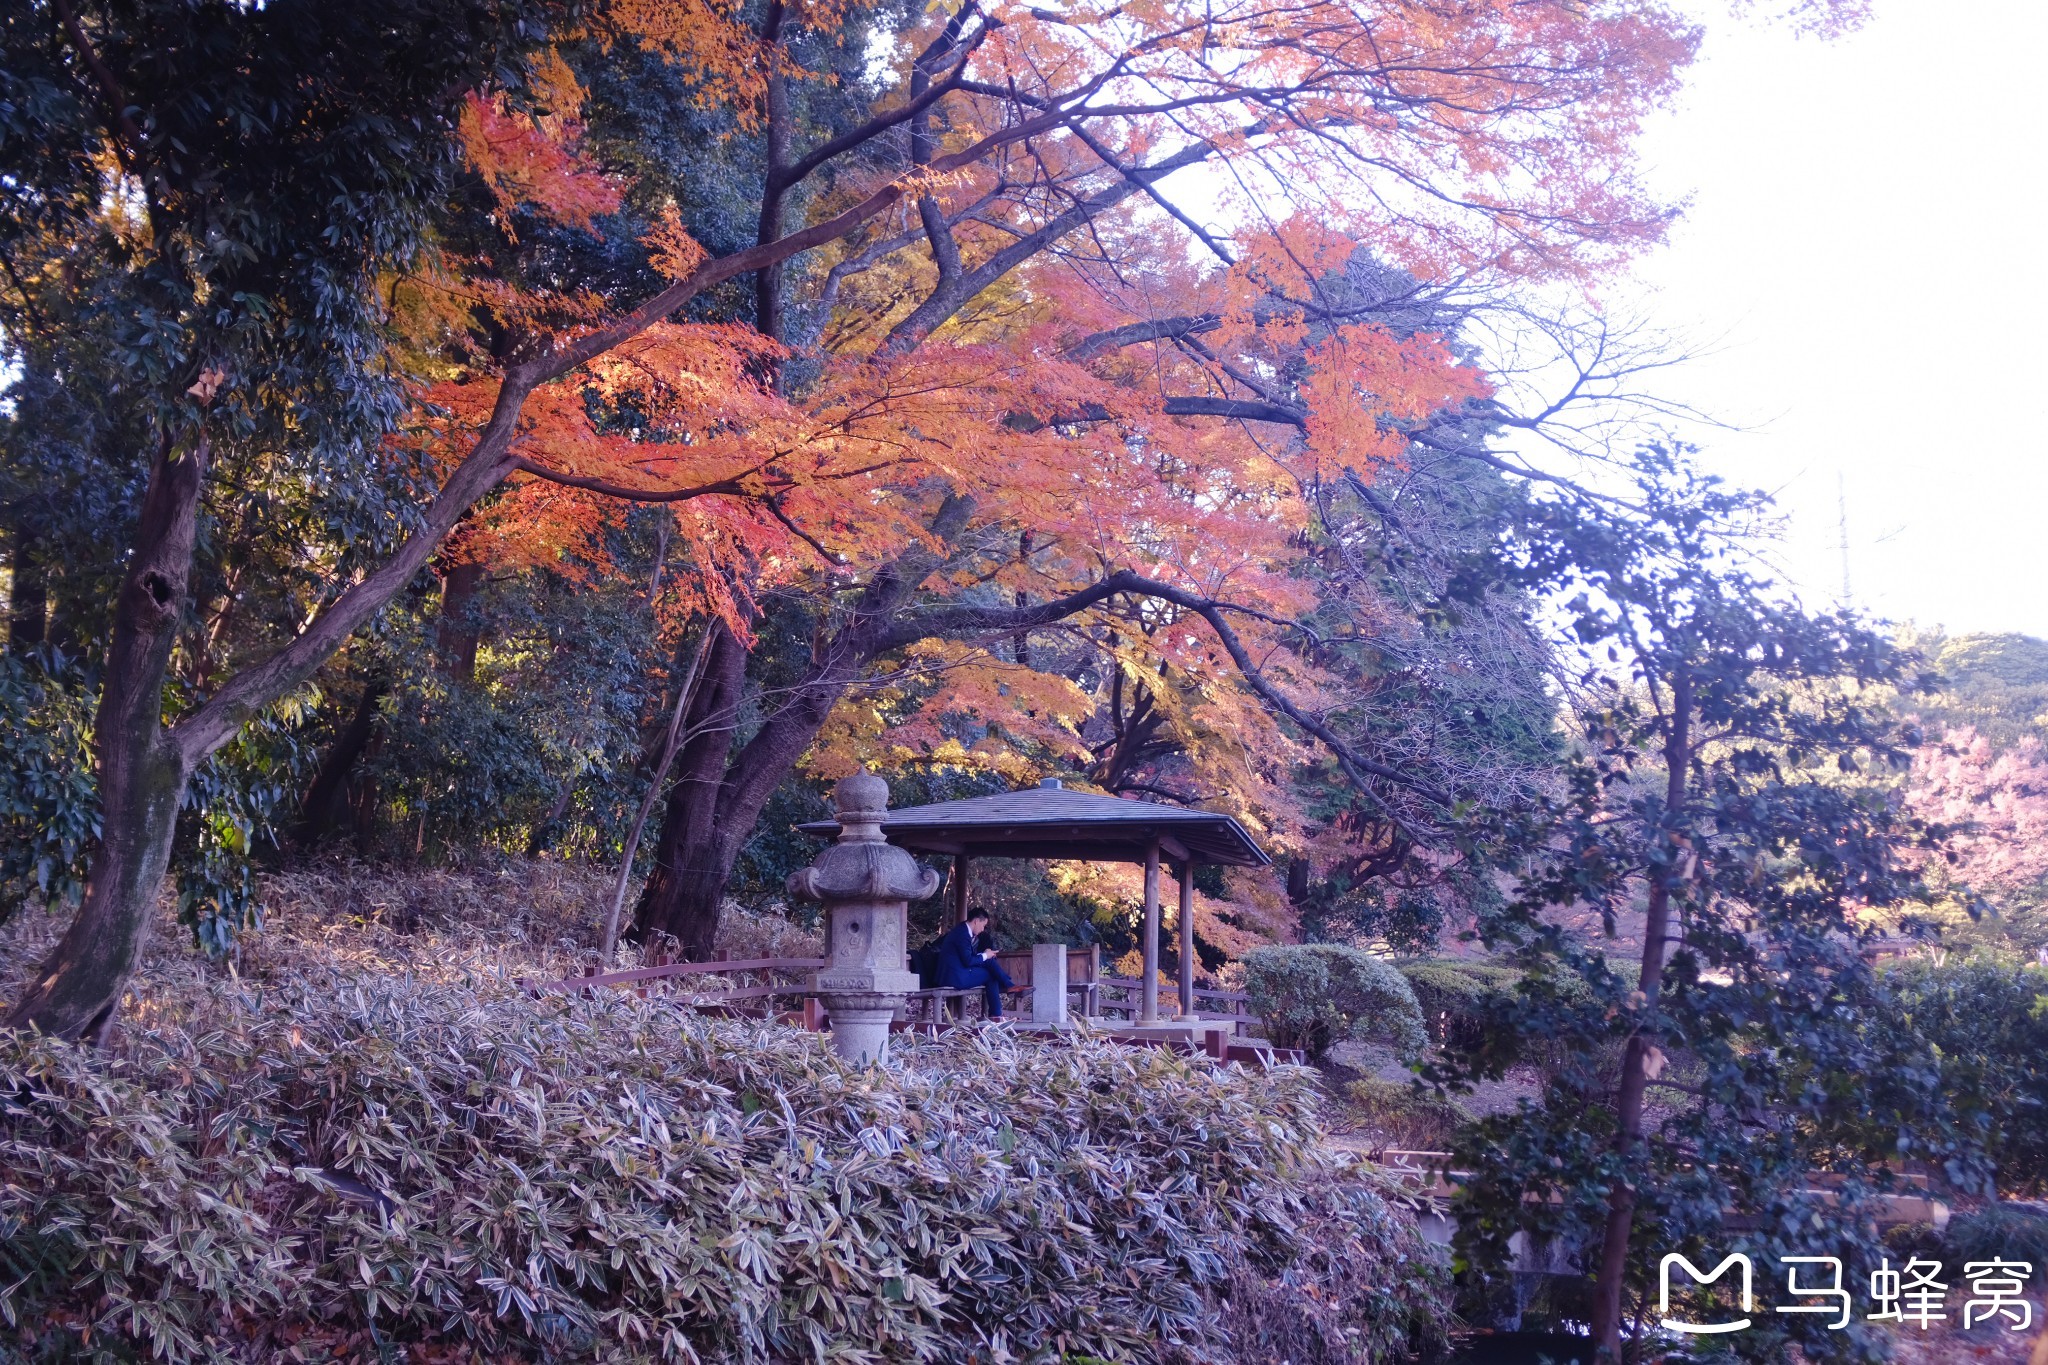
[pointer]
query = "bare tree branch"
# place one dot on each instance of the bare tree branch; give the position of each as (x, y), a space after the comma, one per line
(1135, 333)
(972, 620)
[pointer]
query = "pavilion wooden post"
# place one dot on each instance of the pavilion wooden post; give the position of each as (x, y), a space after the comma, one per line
(1187, 938)
(959, 888)
(1148, 994)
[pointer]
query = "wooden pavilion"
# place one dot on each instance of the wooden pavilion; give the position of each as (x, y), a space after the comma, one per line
(1049, 821)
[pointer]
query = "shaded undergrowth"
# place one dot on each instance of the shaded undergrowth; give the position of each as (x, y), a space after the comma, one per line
(359, 1147)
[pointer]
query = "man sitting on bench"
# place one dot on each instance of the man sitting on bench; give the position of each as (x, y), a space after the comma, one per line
(963, 966)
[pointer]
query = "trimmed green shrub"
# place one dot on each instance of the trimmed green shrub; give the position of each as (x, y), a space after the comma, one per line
(447, 1169)
(1316, 995)
(1454, 996)
(1985, 1023)
(2001, 1232)
(1410, 1118)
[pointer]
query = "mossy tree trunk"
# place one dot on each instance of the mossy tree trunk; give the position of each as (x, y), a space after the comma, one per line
(144, 766)
(143, 770)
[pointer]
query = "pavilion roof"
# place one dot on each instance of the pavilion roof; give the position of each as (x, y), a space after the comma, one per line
(1049, 821)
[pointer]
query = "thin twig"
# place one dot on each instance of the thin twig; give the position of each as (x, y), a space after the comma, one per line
(669, 745)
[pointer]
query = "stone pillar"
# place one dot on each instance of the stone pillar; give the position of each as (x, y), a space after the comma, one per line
(1049, 985)
(866, 886)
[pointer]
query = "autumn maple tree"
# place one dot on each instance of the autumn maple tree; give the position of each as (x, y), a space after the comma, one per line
(941, 346)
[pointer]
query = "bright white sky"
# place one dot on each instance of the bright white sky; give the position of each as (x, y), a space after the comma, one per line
(1863, 259)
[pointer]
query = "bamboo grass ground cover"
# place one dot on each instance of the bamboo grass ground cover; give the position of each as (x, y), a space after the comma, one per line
(328, 1164)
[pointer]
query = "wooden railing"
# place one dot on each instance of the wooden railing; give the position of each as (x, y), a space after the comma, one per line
(1232, 1005)
(676, 978)
(1120, 995)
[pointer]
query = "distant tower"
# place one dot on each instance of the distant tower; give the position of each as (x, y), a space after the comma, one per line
(1842, 525)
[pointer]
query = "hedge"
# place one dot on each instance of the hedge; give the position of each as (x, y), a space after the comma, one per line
(444, 1172)
(1316, 995)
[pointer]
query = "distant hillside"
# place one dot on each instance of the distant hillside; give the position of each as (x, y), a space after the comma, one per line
(1997, 683)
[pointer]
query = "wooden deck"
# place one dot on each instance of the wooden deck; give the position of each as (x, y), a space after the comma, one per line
(750, 988)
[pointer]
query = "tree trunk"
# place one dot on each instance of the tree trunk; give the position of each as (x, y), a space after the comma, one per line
(691, 863)
(458, 635)
(701, 838)
(142, 770)
(701, 832)
(1636, 1070)
(707, 820)
(1297, 882)
(715, 804)
(686, 692)
(543, 833)
(327, 796)
(1026, 543)
(768, 302)
(362, 807)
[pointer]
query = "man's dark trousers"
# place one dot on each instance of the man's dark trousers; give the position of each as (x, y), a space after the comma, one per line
(962, 968)
(991, 977)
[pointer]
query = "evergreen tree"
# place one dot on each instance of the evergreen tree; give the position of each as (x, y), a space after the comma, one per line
(1691, 913)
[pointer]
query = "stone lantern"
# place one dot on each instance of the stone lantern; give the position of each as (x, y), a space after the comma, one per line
(866, 885)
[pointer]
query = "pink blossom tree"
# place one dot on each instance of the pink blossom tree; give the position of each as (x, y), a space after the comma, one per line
(1997, 799)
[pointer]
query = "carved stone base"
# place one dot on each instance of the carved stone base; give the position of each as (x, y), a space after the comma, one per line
(862, 980)
(860, 1023)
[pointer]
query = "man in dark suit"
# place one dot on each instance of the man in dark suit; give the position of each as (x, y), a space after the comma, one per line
(964, 965)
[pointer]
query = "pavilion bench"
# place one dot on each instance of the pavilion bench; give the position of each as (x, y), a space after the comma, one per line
(931, 1009)
(1084, 974)
(936, 1007)
(926, 1011)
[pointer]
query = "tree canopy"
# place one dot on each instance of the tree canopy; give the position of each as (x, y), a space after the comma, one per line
(580, 429)
(889, 318)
